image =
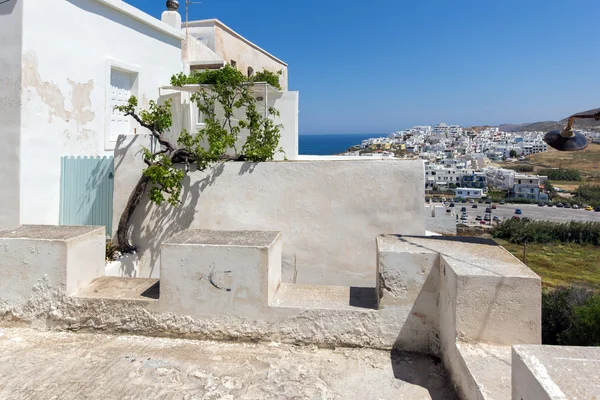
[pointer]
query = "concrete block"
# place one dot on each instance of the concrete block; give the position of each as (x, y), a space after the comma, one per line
(220, 273)
(555, 372)
(408, 281)
(69, 257)
(493, 297)
(486, 373)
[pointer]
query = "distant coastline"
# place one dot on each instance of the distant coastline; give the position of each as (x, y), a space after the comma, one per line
(326, 145)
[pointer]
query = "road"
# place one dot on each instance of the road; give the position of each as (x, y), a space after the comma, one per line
(532, 211)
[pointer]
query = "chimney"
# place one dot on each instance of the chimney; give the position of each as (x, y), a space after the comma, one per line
(172, 17)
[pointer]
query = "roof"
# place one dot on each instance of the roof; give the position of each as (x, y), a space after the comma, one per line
(142, 17)
(216, 22)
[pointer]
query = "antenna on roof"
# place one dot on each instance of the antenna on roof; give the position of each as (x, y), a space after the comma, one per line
(187, 12)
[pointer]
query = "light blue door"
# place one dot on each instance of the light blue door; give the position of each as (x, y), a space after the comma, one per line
(86, 191)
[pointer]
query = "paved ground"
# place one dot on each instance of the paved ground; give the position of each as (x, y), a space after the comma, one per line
(532, 211)
(48, 365)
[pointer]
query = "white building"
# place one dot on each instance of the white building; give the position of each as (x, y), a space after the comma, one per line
(63, 76)
(469, 193)
(499, 178)
(65, 65)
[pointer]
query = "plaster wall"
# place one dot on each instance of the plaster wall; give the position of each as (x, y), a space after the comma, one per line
(11, 30)
(66, 64)
(409, 282)
(232, 47)
(66, 258)
(195, 51)
(555, 372)
(209, 273)
(329, 212)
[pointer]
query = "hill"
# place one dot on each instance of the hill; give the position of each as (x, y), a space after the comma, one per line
(545, 126)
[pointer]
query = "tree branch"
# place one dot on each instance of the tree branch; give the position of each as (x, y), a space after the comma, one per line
(154, 132)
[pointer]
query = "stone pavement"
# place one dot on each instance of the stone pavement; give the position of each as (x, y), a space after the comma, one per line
(58, 365)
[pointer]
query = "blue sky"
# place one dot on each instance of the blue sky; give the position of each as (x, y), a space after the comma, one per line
(383, 65)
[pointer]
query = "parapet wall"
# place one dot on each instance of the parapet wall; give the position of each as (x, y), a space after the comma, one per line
(329, 212)
(227, 285)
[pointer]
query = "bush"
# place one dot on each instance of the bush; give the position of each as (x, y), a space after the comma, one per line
(560, 174)
(520, 167)
(588, 194)
(571, 317)
(518, 231)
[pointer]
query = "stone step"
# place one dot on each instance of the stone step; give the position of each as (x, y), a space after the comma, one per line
(118, 288)
(490, 368)
(324, 297)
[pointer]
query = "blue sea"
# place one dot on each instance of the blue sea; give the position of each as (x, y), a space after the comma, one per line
(326, 145)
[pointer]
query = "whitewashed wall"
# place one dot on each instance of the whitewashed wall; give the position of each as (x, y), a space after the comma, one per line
(231, 46)
(329, 212)
(69, 47)
(11, 19)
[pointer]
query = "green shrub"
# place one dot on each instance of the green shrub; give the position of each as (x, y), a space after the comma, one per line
(571, 317)
(519, 231)
(589, 194)
(560, 174)
(520, 167)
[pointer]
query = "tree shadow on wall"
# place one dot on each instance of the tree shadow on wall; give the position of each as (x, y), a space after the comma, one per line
(155, 224)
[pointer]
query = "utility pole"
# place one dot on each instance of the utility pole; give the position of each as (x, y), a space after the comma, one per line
(525, 253)
(187, 13)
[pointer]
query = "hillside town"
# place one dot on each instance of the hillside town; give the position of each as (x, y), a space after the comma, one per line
(467, 158)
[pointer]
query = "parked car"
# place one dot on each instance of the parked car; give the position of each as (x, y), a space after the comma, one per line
(588, 208)
(560, 205)
(515, 217)
(478, 218)
(488, 202)
(493, 206)
(451, 204)
(463, 201)
(540, 204)
(488, 210)
(496, 218)
(463, 209)
(463, 218)
(448, 210)
(502, 202)
(487, 217)
(482, 222)
(518, 211)
(480, 201)
(567, 205)
(474, 206)
(526, 219)
(471, 201)
(597, 208)
(550, 205)
(575, 207)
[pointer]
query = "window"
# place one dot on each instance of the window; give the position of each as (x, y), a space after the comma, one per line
(234, 63)
(121, 82)
(121, 85)
(250, 71)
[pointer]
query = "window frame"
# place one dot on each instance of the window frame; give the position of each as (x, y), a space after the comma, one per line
(134, 71)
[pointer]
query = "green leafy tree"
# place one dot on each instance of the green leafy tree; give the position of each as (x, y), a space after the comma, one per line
(220, 95)
(512, 154)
